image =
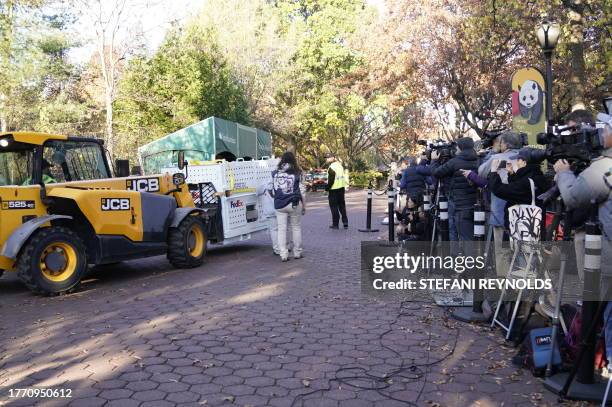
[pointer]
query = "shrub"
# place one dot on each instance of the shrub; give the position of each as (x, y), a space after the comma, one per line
(362, 179)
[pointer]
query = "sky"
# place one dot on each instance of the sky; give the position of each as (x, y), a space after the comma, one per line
(156, 17)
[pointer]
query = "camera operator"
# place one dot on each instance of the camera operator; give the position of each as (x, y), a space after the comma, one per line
(579, 214)
(518, 189)
(509, 145)
(578, 191)
(427, 170)
(462, 194)
(412, 183)
(491, 145)
(422, 170)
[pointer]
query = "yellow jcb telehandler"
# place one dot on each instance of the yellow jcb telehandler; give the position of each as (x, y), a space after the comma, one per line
(61, 210)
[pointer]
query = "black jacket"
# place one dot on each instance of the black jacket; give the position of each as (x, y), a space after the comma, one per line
(412, 182)
(518, 189)
(463, 194)
(416, 222)
(428, 170)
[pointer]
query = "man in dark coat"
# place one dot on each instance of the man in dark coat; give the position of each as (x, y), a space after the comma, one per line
(412, 183)
(461, 192)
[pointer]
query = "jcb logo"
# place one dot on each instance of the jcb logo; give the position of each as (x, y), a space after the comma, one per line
(115, 204)
(143, 184)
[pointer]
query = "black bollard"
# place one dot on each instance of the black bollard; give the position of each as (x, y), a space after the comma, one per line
(475, 314)
(590, 297)
(391, 200)
(369, 211)
(443, 218)
(426, 201)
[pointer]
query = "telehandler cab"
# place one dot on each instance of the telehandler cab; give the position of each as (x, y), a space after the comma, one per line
(61, 209)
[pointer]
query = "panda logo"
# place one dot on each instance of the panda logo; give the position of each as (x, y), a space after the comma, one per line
(531, 101)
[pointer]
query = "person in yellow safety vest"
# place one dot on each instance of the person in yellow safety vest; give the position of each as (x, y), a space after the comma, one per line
(337, 182)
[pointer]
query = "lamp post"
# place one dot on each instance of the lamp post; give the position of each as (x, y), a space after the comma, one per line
(548, 35)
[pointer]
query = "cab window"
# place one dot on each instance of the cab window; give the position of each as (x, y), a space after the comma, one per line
(65, 161)
(16, 162)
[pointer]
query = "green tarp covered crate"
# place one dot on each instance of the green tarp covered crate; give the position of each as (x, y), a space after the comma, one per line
(204, 141)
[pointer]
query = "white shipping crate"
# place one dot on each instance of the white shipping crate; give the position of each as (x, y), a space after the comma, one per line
(242, 210)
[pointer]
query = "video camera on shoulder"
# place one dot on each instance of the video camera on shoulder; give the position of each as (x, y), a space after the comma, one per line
(489, 136)
(446, 150)
(577, 144)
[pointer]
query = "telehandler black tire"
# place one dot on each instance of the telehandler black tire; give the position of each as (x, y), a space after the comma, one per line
(187, 243)
(52, 262)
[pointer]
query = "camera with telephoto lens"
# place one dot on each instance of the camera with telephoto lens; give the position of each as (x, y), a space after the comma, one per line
(489, 136)
(577, 144)
(445, 149)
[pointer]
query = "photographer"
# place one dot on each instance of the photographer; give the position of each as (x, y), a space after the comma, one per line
(437, 158)
(426, 167)
(462, 194)
(412, 220)
(422, 169)
(578, 191)
(509, 145)
(518, 189)
(579, 215)
(412, 183)
(491, 145)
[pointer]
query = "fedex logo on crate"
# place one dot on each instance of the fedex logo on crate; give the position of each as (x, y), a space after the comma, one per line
(237, 203)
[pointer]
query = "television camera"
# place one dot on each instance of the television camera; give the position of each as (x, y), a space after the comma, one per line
(577, 144)
(446, 150)
(489, 136)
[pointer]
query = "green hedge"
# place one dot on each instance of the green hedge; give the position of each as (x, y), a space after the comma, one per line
(362, 179)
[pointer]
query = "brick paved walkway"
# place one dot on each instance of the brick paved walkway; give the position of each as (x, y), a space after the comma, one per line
(248, 330)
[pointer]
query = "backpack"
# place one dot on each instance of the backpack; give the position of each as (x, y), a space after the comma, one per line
(574, 338)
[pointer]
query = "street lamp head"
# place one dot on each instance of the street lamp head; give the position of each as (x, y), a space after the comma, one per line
(607, 102)
(548, 35)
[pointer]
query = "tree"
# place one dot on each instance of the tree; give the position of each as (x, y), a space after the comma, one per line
(467, 50)
(186, 81)
(257, 47)
(113, 22)
(40, 87)
(17, 60)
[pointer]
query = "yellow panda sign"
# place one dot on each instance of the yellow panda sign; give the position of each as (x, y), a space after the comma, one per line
(528, 103)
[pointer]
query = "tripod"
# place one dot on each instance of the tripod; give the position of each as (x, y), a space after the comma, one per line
(434, 209)
(439, 212)
(560, 215)
(584, 387)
